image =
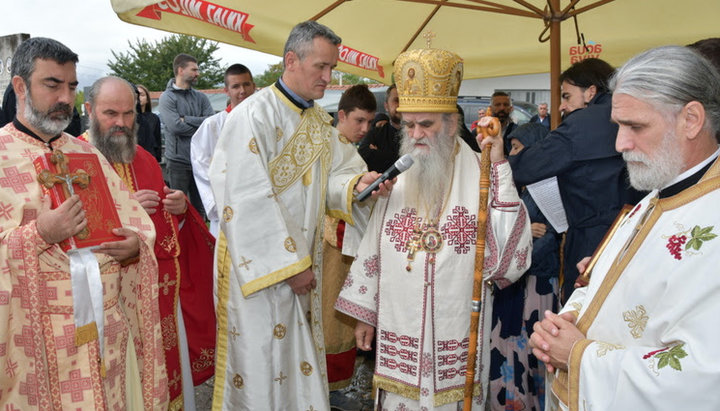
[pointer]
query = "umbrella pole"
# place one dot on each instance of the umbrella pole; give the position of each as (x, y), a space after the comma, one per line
(554, 63)
(493, 129)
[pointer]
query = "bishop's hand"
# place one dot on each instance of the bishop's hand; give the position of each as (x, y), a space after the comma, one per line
(364, 334)
(61, 223)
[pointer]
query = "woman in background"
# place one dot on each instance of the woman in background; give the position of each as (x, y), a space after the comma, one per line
(149, 136)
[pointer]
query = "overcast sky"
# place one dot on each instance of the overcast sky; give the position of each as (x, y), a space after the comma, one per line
(91, 29)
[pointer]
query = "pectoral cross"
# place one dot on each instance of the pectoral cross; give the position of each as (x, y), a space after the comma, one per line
(413, 245)
(66, 179)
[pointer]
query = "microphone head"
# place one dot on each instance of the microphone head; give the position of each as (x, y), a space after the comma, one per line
(404, 162)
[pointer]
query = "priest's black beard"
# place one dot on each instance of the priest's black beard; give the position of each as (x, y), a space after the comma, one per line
(53, 121)
(116, 148)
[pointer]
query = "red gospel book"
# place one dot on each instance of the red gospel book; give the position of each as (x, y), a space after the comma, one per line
(87, 180)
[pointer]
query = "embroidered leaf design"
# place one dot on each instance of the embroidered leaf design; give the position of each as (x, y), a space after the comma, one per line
(671, 357)
(663, 359)
(698, 236)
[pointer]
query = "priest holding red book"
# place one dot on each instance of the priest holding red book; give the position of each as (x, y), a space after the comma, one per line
(185, 295)
(80, 327)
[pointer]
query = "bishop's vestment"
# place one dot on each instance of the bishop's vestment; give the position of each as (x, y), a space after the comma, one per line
(650, 309)
(413, 278)
(277, 170)
(47, 365)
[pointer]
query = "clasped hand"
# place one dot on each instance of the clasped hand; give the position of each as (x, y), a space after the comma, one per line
(174, 201)
(554, 338)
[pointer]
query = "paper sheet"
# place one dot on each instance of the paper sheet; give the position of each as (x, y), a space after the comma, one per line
(546, 194)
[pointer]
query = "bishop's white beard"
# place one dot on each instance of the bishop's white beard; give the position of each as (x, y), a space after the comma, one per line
(116, 148)
(53, 121)
(648, 174)
(431, 174)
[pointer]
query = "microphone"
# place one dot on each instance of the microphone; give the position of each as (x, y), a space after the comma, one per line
(402, 164)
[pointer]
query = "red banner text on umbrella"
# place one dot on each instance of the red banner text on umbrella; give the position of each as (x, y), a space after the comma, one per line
(579, 53)
(204, 11)
(359, 59)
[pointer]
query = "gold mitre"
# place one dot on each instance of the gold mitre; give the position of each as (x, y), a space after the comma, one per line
(428, 80)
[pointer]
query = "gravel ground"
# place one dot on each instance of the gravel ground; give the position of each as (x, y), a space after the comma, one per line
(360, 388)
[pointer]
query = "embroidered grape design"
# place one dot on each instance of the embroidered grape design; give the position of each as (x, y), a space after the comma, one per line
(675, 244)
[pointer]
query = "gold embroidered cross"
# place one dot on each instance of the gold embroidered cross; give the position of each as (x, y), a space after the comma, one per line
(175, 380)
(244, 264)
(167, 283)
(429, 35)
(281, 378)
(234, 333)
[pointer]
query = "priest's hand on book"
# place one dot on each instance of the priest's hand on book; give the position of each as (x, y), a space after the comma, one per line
(124, 250)
(61, 223)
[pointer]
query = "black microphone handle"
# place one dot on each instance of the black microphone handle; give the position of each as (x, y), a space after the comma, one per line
(389, 174)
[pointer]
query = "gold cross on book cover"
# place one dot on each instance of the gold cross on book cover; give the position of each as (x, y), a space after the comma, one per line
(61, 175)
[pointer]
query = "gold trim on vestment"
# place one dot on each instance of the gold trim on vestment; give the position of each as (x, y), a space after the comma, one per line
(282, 97)
(302, 149)
(177, 403)
(276, 276)
(86, 333)
(441, 398)
(346, 215)
(223, 295)
(573, 373)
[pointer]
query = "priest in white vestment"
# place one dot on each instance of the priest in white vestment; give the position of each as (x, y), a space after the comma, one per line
(411, 283)
(239, 85)
(278, 168)
(641, 335)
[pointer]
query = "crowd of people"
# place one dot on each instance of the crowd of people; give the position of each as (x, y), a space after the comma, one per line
(251, 257)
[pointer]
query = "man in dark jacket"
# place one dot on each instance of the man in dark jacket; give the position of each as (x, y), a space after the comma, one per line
(381, 146)
(581, 153)
(182, 110)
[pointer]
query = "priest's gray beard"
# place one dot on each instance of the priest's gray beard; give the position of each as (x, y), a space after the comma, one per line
(655, 173)
(51, 122)
(116, 148)
(427, 181)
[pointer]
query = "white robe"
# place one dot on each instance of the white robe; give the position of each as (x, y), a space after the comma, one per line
(650, 315)
(422, 316)
(276, 171)
(202, 147)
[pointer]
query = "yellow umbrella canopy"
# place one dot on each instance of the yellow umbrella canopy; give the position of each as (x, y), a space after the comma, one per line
(494, 38)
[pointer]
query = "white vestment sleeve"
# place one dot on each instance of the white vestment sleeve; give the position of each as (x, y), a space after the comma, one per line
(202, 146)
(508, 224)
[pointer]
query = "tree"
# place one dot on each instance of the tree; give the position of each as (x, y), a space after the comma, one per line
(269, 76)
(150, 64)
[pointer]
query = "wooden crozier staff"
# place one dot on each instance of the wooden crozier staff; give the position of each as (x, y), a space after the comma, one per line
(493, 129)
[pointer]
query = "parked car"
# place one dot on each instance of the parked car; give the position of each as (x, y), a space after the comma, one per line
(521, 113)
